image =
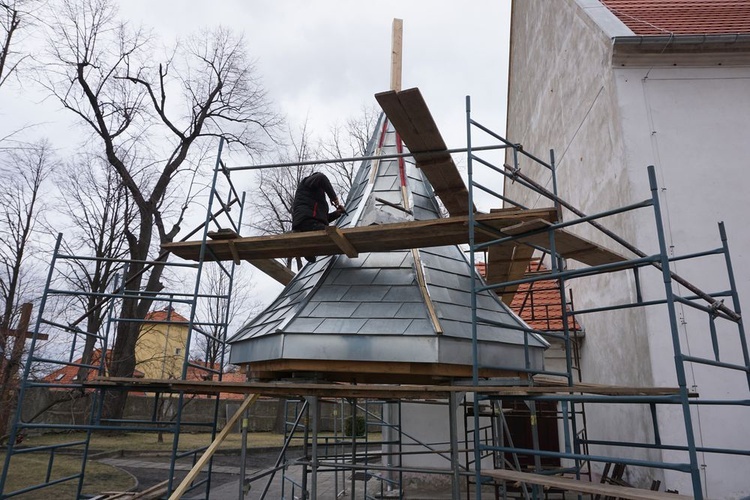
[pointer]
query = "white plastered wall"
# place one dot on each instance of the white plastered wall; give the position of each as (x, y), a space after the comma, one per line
(607, 122)
(692, 122)
(563, 97)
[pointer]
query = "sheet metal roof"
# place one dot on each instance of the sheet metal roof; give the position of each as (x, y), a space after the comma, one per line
(343, 308)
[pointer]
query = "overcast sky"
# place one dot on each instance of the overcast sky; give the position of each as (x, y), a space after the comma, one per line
(325, 60)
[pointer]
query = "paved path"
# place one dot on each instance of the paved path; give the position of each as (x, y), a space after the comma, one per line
(136, 463)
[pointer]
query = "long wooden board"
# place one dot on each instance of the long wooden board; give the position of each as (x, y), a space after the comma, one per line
(406, 235)
(410, 391)
(203, 460)
(376, 238)
(507, 263)
(409, 114)
(569, 484)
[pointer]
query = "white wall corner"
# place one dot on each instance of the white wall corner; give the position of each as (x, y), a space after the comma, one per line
(609, 23)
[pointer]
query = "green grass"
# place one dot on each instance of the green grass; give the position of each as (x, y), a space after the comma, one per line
(31, 468)
(148, 442)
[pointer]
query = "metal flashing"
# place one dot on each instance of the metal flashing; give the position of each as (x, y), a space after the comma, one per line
(387, 306)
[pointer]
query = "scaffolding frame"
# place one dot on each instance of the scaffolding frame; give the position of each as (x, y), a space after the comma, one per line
(570, 397)
(160, 422)
(715, 309)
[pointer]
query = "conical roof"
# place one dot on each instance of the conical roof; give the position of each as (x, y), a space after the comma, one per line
(404, 312)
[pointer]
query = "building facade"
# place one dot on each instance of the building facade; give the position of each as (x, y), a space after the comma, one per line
(613, 87)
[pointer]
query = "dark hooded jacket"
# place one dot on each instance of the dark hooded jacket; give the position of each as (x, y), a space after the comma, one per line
(310, 207)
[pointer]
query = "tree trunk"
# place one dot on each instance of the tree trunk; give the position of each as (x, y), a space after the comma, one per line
(9, 371)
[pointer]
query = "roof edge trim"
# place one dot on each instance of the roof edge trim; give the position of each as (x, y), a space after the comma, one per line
(738, 38)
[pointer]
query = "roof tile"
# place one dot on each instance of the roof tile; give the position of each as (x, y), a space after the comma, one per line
(682, 17)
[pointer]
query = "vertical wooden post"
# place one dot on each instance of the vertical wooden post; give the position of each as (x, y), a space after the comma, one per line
(396, 54)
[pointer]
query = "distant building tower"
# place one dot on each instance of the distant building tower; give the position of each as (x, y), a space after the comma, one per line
(160, 349)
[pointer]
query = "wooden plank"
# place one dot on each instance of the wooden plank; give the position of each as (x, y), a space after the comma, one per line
(416, 108)
(378, 390)
(271, 267)
(233, 251)
(582, 486)
(376, 238)
(507, 263)
(340, 240)
(567, 244)
(419, 270)
(401, 120)
(203, 460)
(155, 491)
(409, 114)
(397, 38)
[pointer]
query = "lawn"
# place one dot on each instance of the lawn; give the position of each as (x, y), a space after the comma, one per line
(148, 442)
(31, 468)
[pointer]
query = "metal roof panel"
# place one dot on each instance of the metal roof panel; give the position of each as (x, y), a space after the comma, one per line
(385, 326)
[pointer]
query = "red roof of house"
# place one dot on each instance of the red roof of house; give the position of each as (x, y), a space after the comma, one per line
(165, 315)
(541, 309)
(68, 374)
(682, 17)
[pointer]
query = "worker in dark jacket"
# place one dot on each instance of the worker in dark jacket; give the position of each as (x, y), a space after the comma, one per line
(310, 207)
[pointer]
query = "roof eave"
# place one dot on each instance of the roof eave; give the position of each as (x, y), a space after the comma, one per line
(738, 39)
(681, 50)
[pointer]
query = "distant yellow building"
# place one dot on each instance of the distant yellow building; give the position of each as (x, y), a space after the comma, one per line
(161, 345)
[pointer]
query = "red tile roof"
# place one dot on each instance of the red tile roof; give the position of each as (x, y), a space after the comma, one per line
(165, 315)
(541, 309)
(682, 17)
(68, 374)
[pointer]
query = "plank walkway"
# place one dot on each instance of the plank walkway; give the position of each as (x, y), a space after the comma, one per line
(262, 250)
(582, 486)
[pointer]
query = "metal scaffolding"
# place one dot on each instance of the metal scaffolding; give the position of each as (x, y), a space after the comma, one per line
(487, 454)
(711, 304)
(89, 403)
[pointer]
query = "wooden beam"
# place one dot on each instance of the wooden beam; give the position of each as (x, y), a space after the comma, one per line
(419, 271)
(12, 332)
(233, 251)
(507, 263)
(567, 244)
(581, 486)
(23, 332)
(375, 238)
(340, 240)
(203, 460)
(376, 390)
(413, 121)
(272, 268)
(397, 38)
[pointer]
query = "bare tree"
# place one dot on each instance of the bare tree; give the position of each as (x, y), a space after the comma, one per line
(15, 15)
(100, 210)
(24, 171)
(100, 70)
(274, 190)
(218, 308)
(349, 141)
(275, 187)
